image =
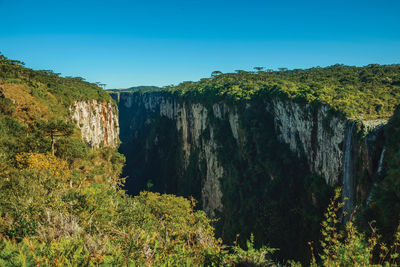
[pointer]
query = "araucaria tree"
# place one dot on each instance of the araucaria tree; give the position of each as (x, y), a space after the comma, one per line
(55, 129)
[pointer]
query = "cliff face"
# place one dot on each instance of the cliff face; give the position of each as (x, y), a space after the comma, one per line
(265, 166)
(98, 122)
(314, 133)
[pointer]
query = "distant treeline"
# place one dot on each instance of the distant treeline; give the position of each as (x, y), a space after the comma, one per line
(359, 92)
(143, 89)
(42, 82)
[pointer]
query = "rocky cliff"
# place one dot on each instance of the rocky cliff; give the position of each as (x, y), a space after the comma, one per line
(98, 122)
(315, 133)
(257, 165)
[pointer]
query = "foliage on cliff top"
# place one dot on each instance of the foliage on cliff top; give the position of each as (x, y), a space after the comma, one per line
(359, 92)
(44, 90)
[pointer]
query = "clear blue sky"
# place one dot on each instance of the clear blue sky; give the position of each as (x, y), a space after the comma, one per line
(125, 43)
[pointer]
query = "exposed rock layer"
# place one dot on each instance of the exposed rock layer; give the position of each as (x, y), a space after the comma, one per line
(98, 122)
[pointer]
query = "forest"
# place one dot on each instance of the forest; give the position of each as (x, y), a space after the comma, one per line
(63, 203)
(365, 92)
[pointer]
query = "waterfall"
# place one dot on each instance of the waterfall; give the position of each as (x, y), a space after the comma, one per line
(381, 160)
(348, 179)
(369, 199)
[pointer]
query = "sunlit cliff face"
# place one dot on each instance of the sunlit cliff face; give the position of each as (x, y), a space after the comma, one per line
(98, 122)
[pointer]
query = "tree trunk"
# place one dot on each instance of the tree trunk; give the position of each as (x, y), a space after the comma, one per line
(52, 144)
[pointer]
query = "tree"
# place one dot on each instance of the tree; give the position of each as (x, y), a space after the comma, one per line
(215, 73)
(79, 79)
(55, 129)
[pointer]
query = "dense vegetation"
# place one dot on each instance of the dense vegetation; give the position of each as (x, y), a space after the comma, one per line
(347, 246)
(43, 93)
(359, 92)
(61, 202)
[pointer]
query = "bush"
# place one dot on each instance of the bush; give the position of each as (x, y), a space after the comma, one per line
(7, 107)
(349, 247)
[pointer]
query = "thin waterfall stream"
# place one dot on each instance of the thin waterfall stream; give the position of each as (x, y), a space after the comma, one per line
(381, 160)
(379, 170)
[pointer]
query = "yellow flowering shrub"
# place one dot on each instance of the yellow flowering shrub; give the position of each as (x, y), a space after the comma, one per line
(40, 161)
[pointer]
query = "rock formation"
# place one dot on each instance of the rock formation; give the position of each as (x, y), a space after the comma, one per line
(98, 122)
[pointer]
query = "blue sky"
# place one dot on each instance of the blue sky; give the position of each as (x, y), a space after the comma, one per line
(125, 43)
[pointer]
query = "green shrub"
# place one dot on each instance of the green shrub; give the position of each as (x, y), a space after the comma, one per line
(349, 247)
(7, 107)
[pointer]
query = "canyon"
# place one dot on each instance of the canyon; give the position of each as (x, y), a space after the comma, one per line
(236, 158)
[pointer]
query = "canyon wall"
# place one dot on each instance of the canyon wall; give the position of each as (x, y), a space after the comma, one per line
(315, 133)
(98, 122)
(265, 167)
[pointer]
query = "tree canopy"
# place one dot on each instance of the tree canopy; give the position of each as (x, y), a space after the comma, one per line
(372, 91)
